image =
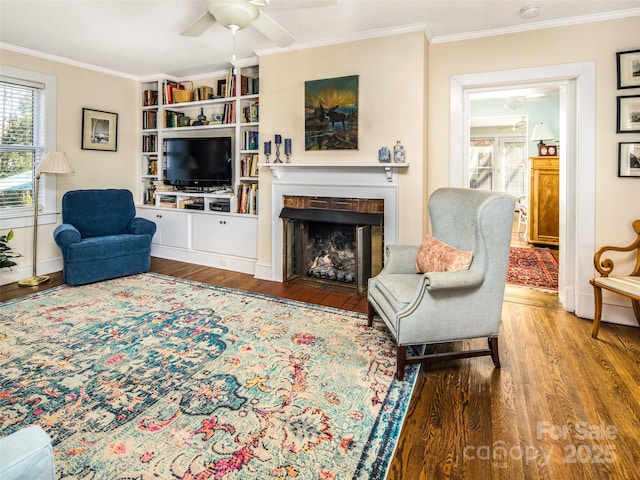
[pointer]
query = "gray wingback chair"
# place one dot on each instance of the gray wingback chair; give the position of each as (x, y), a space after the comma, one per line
(440, 307)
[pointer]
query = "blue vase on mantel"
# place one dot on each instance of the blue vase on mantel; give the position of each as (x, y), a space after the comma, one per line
(398, 152)
(384, 155)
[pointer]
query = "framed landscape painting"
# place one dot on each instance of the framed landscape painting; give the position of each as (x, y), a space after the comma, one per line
(99, 130)
(331, 114)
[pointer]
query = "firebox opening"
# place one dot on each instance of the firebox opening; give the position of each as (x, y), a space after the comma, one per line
(330, 252)
(335, 243)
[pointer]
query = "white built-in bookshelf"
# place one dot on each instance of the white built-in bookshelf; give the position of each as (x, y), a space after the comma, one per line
(229, 100)
(216, 227)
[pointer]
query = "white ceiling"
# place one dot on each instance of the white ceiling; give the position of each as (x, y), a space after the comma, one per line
(138, 38)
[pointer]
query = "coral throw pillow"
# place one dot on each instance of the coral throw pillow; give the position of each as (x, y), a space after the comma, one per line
(436, 256)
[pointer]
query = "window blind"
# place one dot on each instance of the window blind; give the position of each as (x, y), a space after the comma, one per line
(21, 146)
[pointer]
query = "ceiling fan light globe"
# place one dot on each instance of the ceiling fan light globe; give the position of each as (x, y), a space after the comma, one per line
(233, 12)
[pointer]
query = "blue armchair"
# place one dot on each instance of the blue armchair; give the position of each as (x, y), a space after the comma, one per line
(101, 237)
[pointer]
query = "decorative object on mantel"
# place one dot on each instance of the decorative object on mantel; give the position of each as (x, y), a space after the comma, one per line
(278, 142)
(267, 150)
(629, 159)
(398, 152)
(628, 69)
(99, 130)
(331, 114)
(287, 148)
(384, 156)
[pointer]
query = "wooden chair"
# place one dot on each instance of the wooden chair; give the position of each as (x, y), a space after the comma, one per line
(628, 286)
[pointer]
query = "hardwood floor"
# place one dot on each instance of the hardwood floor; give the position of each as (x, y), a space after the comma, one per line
(563, 405)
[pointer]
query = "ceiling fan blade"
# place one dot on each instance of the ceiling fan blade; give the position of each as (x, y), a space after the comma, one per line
(294, 3)
(199, 25)
(272, 30)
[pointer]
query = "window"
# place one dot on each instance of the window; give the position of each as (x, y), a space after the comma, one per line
(27, 132)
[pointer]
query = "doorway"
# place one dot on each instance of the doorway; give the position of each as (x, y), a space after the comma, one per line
(577, 185)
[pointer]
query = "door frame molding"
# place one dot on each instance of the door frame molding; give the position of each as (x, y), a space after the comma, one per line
(577, 185)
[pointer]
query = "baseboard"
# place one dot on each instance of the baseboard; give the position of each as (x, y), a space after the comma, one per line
(264, 272)
(618, 314)
(225, 262)
(25, 271)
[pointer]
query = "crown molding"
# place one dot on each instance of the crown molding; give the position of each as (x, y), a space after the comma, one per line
(565, 22)
(64, 60)
(385, 32)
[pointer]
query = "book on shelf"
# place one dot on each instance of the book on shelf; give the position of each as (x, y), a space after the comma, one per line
(253, 171)
(228, 115)
(159, 186)
(231, 83)
(149, 119)
(247, 199)
(149, 98)
(249, 165)
(167, 91)
(167, 201)
(149, 143)
(250, 140)
(152, 165)
(248, 85)
(202, 93)
(250, 113)
(171, 118)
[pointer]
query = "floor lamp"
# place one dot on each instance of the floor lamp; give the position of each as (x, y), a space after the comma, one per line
(53, 162)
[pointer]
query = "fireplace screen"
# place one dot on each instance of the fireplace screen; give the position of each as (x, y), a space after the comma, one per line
(336, 249)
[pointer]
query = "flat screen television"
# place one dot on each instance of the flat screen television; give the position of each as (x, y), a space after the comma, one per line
(197, 163)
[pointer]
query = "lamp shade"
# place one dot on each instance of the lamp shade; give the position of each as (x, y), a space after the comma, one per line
(54, 162)
(541, 132)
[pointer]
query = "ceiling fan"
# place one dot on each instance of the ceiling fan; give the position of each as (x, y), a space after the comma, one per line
(238, 14)
(515, 103)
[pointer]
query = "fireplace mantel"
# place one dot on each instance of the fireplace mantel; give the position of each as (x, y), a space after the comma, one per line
(277, 169)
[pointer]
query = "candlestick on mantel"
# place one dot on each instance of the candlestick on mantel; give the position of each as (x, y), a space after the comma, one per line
(267, 149)
(287, 148)
(278, 143)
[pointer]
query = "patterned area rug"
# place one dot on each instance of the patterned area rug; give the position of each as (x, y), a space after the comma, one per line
(154, 377)
(533, 267)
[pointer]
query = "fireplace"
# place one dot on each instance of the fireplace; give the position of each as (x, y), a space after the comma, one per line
(357, 182)
(332, 242)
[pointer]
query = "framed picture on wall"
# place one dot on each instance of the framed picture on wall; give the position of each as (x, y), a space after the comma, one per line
(628, 114)
(628, 69)
(629, 159)
(331, 114)
(99, 130)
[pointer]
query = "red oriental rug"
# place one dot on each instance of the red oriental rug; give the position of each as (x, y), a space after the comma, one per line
(533, 267)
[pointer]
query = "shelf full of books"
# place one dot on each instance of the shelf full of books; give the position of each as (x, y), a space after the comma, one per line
(247, 198)
(224, 103)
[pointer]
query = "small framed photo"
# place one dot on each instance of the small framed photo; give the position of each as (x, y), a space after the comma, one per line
(628, 114)
(628, 69)
(222, 88)
(99, 130)
(629, 159)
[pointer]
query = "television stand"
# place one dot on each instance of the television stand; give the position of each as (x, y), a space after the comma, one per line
(189, 200)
